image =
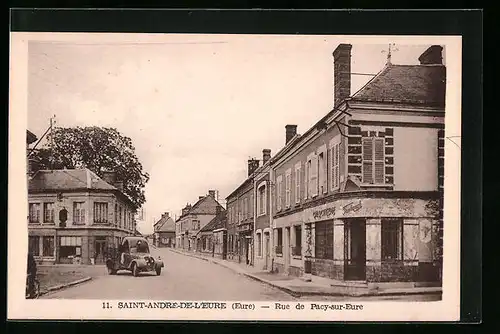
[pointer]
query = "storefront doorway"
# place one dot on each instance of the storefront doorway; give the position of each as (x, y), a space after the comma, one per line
(266, 250)
(355, 249)
(100, 249)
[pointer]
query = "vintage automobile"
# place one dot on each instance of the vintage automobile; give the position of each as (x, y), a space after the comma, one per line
(133, 255)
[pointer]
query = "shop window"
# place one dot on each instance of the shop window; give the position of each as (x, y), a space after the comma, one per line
(279, 241)
(100, 213)
(34, 245)
(48, 246)
(79, 213)
(392, 239)
(70, 247)
(48, 213)
(34, 213)
(324, 240)
(297, 249)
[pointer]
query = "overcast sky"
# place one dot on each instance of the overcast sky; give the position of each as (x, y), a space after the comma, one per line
(195, 107)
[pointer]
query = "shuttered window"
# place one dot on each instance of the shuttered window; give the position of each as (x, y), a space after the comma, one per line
(314, 176)
(297, 183)
(280, 192)
(373, 160)
(334, 160)
(307, 177)
(288, 188)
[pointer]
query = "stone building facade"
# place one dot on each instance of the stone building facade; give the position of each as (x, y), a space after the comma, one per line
(74, 215)
(348, 203)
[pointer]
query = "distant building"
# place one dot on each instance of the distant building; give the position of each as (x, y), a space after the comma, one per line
(262, 214)
(74, 215)
(193, 219)
(209, 240)
(240, 206)
(164, 231)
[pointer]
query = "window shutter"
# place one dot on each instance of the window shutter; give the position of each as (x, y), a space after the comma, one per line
(314, 177)
(337, 164)
(306, 180)
(325, 172)
(379, 160)
(367, 160)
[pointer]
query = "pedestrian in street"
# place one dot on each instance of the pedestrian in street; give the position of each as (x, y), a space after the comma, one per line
(31, 272)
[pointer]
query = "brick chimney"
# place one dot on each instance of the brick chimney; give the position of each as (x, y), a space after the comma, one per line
(253, 164)
(432, 56)
(165, 215)
(341, 73)
(266, 155)
(211, 193)
(201, 197)
(290, 132)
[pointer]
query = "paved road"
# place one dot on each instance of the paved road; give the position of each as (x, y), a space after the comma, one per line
(185, 278)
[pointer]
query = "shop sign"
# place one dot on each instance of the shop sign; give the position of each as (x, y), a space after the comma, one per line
(324, 213)
(352, 207)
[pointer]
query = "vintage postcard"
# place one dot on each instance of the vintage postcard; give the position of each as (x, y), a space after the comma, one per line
(234, 177)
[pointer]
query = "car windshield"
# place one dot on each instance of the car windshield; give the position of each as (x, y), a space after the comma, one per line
(140, 247)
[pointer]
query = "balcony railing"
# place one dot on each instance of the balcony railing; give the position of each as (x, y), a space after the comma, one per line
(297, 251)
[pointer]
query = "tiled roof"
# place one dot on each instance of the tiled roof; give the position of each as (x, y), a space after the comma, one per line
(165, 224)
(67, 179)
(419, 84)
(217, 222)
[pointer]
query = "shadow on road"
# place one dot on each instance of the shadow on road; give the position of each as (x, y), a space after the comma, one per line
(144, 274)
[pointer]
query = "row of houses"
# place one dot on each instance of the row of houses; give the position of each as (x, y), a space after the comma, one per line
(357, 197)
(75, 216)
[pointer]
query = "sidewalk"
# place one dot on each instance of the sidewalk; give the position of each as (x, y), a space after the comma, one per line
(318, 286)
(59, 276)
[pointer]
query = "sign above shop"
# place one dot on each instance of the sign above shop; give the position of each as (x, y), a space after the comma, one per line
(352, 207)
(324, 213)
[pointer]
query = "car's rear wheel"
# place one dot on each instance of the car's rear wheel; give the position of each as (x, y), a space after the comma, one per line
(158, 270)
(135, 270)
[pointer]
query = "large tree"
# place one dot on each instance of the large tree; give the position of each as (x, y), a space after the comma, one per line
(99, 149)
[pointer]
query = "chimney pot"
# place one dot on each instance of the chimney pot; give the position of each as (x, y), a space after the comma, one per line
(253, 164)
(341, 73)
(266, 155)
(432, 56)
(200, 197)
(211, 193)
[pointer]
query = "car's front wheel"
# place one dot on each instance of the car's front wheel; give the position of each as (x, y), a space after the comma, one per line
(135, 270)
(158, 270)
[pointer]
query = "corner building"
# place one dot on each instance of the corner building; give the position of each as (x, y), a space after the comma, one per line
(359, 196)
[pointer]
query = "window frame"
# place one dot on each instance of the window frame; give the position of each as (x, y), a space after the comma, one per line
(398, 244)
(334, 148)
(327, 233)
(279, 190)
(39, 213)
(262, 199)
(373, 161)
(288, 188)
(298, 181)
(101, 212)
(45, 210)
(79, 221)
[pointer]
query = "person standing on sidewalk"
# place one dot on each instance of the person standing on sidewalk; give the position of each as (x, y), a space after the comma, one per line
(31, 272)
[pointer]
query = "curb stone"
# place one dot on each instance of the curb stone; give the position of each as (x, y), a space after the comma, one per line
(310, 293)
(62, 286)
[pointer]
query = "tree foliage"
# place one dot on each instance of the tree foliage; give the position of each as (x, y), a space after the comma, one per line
(99, 149)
